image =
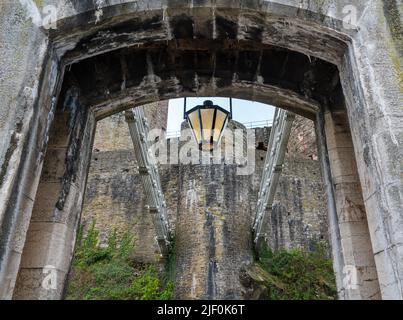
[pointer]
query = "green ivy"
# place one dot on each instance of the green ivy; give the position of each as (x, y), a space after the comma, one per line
(108, 273)
(148, 287)
(298, 274)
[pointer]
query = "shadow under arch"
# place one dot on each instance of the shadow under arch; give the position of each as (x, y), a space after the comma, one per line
(125, 78)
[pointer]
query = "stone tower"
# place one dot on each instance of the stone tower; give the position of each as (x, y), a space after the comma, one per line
(213, 229)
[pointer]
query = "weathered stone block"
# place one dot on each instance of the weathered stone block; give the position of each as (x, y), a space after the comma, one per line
(56, 242)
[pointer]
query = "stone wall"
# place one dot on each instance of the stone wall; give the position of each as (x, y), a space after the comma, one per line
(213, 227)
(210, 206)
(114, 197)
(302, 141)
(213, 232)
(299, 215)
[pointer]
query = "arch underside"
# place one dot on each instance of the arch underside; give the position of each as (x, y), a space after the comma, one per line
(120, 79)
(133, 57)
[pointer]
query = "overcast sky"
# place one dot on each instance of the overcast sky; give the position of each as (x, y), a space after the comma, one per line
(243, 111)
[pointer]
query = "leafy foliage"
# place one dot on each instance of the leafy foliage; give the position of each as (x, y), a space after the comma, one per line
(170, 264)
(298, 274)
(108, 273)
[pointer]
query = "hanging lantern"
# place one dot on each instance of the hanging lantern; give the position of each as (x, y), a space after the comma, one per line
(208, 122)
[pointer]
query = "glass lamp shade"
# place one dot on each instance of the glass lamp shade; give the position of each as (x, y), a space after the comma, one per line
(208, 123)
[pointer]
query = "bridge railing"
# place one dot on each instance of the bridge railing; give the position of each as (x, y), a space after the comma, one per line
(248, 125)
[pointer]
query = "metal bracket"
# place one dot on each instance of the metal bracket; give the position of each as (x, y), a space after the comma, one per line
(279, 136)
(138, 127)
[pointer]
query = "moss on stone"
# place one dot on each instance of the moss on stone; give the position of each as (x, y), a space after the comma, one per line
(216, 213)
(397, 62)
(390, 15)
(39, 3)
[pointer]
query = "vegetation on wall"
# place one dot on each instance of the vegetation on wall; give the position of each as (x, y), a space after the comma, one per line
(170, 264)
(295, 274)
(108, 273)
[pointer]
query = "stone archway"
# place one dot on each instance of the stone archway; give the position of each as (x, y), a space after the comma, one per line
(182, 49)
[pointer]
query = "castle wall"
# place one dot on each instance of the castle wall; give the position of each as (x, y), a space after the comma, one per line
(299, 215)
(210, 207)
(114, 197)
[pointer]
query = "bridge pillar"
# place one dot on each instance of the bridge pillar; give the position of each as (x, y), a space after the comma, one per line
(51, 235)
(359, 279)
